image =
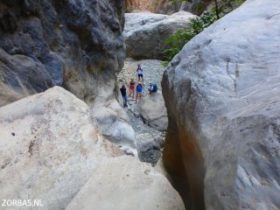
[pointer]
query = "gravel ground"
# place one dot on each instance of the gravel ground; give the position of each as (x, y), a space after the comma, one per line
(153, 71)
(149, 140)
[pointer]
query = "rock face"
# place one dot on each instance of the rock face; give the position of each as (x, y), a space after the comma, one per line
(50, 146)
(124, 183)
(75, 44)
(167, 6)
(134, 5)
(112, 120)
(194, 6)
(153, 111)
(145, 33)
(223, 102)
(157, 6)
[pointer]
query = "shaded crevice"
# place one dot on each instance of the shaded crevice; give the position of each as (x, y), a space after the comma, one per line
(182, 156)
(184, 163)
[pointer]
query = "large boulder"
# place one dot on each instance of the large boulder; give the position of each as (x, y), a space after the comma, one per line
(145, 33)
(153, 111)
(49, 147)
(223, 103)
(124, 184)
(74, 44)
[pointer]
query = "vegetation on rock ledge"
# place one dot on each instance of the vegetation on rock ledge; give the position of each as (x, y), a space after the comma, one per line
(177, 41)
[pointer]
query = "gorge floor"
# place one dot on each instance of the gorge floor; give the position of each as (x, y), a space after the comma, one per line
(149, 140)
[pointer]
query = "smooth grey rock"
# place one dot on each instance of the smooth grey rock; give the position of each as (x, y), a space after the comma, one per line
(223, 102)
(74, 44)
(145, 33)
(49, 147)
(153, 111)
(125, 184)
(112, 120)
(117, 130)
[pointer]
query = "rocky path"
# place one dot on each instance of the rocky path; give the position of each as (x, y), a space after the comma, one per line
(153, 71)
(149, 140)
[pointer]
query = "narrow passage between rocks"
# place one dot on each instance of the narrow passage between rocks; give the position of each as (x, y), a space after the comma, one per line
(148, 121)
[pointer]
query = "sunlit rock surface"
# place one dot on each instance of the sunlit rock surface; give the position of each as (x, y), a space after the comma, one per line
(222, 93)
(49, 147)
(125, 184)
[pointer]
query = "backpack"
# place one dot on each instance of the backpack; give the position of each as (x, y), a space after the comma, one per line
(154, 88)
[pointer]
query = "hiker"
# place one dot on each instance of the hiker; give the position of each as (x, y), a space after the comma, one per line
(139, 91)
(152, 88)
(139, 71)
(131, 88)
(124, 96)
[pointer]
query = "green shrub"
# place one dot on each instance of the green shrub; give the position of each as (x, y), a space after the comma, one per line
(177, 41)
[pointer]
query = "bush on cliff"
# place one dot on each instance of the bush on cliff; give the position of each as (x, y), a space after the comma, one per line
(176, 41)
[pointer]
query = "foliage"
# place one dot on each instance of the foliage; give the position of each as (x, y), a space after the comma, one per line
(176, 41)
(223, 7)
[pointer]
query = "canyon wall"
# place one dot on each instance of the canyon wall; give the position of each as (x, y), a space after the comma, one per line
(223, 102)
(167, 6)
(74, 44)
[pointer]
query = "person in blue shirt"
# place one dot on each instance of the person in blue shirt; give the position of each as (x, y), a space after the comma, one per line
(139, 91)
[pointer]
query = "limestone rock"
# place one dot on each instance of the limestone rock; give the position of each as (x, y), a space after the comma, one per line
(145, 33)
(223, 102)
(111, 118)
(167, 6)
(74, 44)
(49, 148)
(139, 5)
(124, 184)
(153, 111)
(114, 127)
